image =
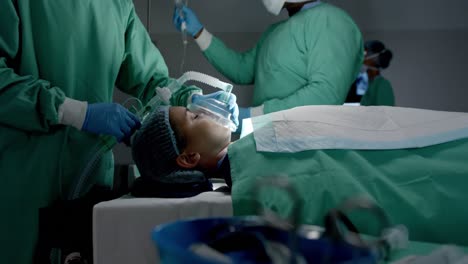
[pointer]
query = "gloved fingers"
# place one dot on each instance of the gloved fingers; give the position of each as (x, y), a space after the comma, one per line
(119, 136)
(125, 131)
(235, 116)
(196, 97)
(187, 11)
(244, 112)
(176, 19)
(133, 121)
(128, 122)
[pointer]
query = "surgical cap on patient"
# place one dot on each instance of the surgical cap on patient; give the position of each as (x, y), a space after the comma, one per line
(154, 150)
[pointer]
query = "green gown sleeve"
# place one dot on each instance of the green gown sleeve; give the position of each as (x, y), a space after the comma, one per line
(238, 67)
(27, 103)
(143, 67)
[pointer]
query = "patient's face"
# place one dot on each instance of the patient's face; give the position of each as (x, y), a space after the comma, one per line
(201, 134)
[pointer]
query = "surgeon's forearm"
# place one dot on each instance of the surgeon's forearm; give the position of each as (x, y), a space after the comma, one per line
(28, 103)
(203, 38)
(72, 112)
(238, 67)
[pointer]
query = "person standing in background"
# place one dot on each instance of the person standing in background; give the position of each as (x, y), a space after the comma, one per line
(312, 58)
(377, 90)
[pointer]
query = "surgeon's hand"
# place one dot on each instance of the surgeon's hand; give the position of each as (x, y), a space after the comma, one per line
(110, 119)
(232, 106)
(244, 112)
(193, 25)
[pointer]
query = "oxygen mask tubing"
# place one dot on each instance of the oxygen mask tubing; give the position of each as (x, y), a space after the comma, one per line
(179, 5)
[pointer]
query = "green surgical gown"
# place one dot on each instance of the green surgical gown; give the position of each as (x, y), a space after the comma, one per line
(380, 92)
(49, 50)
(310, 59)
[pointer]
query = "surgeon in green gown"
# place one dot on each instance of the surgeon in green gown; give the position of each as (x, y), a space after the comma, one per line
(312, 58)
(378, 90)
(59, 63)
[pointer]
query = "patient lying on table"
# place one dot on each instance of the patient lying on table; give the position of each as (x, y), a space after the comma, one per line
(423, 188)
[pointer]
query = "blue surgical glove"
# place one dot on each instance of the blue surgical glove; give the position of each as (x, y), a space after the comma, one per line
(244, 112)
(231, 105)
(193, 26)
(110, 119)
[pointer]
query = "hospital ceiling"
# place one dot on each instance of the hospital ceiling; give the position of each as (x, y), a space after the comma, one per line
(370, 15)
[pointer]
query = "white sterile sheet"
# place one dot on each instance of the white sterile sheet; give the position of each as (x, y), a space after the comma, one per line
(356, 127)
(122, 227)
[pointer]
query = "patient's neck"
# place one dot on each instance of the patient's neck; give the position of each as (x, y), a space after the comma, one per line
(212, 163)
(220, 157)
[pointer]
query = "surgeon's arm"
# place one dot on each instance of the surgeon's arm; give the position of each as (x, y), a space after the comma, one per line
(238, 67)
(26, 102)
(143, 68)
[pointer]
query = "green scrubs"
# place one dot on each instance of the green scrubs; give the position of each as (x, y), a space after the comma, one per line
(380, 92)
(422, 188)
(310, 59)
(49, 50)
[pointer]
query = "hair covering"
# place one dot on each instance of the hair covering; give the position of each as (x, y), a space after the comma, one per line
(382, 54)
(275, 6)
(154, 150)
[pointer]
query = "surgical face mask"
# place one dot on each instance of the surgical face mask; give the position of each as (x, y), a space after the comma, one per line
(214, 110)
(275, 6)
(365, 67)
(374, 56)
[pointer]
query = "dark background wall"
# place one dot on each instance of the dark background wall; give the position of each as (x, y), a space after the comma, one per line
(429, 39)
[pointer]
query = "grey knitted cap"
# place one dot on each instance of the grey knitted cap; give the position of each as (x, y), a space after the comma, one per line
(154, 150)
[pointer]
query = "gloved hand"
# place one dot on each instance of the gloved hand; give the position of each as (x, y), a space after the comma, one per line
(110, 119)
(233, 108)
(193, 26)
(244, 112)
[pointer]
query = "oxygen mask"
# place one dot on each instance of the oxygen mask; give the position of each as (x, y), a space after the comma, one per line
(215, 110)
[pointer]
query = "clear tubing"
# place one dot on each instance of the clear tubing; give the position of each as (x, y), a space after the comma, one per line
(206, 79)
(183, 29)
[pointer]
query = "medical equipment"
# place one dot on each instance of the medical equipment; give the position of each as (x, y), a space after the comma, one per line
(215, 110)
(179, 5)
(339, 226)
(251, 238)
(183, 29)
(212, 108)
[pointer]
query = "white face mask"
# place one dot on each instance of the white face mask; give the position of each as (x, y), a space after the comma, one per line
(365, 67)
(374, 56)
(275, 6)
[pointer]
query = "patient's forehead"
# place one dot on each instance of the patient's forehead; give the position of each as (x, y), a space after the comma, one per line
(177, 113)
(177, 117)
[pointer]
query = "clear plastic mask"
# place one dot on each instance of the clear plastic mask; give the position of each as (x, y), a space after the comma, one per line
(214, 110)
